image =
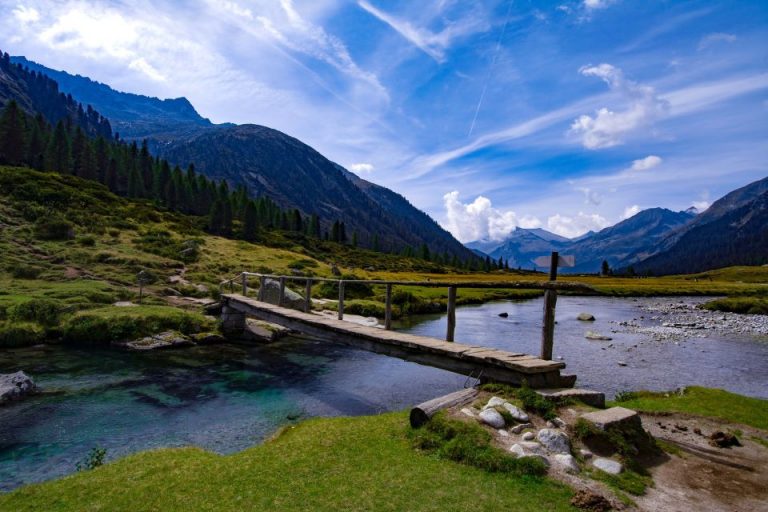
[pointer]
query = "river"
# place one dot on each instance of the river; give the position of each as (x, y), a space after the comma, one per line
(226, 398)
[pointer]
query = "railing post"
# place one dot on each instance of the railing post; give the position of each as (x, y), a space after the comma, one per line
(451, 313)
(388, 309)
(282, 291)
(245, 284)
(262, 287)
(308, 296)
(550, 301)
(341, 300)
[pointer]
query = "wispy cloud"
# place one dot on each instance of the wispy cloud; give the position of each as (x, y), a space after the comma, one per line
(571, 226)
(716, 37)
(432, 43)
(362, 168)
(643, 164)
(608, 127)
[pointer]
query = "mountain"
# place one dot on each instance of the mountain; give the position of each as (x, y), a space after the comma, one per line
(36, 93)
(522, 246)
(733, 231)
(627, 242)
(267, 162)
(133, 116)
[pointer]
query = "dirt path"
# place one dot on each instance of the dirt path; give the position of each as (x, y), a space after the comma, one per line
(704, 478)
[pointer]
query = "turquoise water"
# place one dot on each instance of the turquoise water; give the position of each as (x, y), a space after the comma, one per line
(228, 397)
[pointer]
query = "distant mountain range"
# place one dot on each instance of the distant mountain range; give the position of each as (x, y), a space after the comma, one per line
(267, 162)
(733, 231)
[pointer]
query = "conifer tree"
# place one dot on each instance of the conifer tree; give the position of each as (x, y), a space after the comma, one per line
(12, 140)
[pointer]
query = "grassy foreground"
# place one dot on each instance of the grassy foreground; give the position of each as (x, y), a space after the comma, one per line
(699, 401)
(364, 463)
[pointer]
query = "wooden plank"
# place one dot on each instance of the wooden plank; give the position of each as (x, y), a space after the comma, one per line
(423, 412)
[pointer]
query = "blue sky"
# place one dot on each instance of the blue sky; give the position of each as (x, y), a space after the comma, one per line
(488, 115)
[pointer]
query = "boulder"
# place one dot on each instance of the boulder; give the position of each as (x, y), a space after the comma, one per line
(208, 338)
(529, 436)
(610, 466)
(614, 417)
(517, 450)
(566, 461)
(592, 335)
(492, 417)
(533, 447)
(494, 402)
(515, 412)
(519, 428)
(554, 440)
(586, 317)
(588, 500)
(261, 331)
(504, 315)
(291, 299)
(14, 386)
(468, 412)
(168, 339)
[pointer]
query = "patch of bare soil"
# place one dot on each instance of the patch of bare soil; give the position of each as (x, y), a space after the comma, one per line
(706, 478)
(72, 273)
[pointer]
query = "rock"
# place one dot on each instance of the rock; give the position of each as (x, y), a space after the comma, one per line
(557, 395)
(168, 339)
(567, 461)
(614, 417)
(124, 304)
(537, 456)
(494, 402)
(517, 450)
(492, 417)
(213, 308)
(723, 440)
(504, 315)
(608, 465)
(171, 292)
(621, 363)
(554, 440)
(14, 386)
(516, 413)
(585, 453)
(559, 423)
(533, 447)
(586, 317)
(519, 428)
(335, 270)
(468, 412)
(592, 335)
(503, 433)
(528, 436)
(208, 338)
(588, 500)
(291, 299)
(202, 288)
(551, 425)
(264, 332)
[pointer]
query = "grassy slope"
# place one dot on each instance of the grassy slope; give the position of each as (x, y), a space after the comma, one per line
(362, 463)
(699, 401)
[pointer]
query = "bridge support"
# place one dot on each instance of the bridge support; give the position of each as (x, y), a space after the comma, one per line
(232, 321)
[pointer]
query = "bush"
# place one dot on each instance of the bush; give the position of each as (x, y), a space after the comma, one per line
(43, 311)
(330, 289)
(26, 271)
(468, 443)
(54, 229)
(20, 334)
(534, 402)
(112, 324)
(86, 241)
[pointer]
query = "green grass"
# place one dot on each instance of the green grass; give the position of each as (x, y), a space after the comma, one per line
(714, 403)
(628, 481)
(348, 464)
(743, 305)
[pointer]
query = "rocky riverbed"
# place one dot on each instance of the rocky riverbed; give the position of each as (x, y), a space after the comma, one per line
(675, 321)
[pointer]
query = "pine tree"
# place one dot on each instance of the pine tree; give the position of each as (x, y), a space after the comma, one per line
(12, 135)
(58, 156)
(250, 223)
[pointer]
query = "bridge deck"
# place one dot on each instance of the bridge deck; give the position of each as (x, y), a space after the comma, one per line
(497, 365)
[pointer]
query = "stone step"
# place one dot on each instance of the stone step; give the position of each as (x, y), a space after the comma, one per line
(589, 397)
(615, 417)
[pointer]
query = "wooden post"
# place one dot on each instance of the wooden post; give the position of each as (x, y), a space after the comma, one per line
(422, 413)
(262, 287)
(282, 291)
(341, 300)
(308, 296)
(245, 285)
(451, 313)
(388, 309)
(550, 301)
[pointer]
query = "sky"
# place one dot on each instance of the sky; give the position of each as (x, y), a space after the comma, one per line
(488, 115)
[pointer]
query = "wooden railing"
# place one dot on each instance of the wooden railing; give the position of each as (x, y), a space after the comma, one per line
(551, 288)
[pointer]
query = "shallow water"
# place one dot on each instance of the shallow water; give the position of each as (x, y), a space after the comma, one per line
(226, 398)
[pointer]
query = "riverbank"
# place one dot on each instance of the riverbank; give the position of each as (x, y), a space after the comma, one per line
(362, 463)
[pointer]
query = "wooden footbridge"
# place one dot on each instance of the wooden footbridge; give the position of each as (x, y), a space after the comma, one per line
(483, 363)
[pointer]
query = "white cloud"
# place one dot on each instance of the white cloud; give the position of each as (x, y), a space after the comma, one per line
(630, 211)
(597, 4)
(701, 205)
(146, 68)
(26, 14)
(715, 37)
(433, 44)
(479, 220)
(237, 9)
(609, 128)
(643, 164)
(590, 196)
(361, 168)
(571, 227)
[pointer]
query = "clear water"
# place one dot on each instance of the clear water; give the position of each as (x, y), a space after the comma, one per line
(226, 398)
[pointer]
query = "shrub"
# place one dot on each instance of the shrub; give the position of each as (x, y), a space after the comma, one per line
(43, 311)
(86, 241)
(93, 460)
(302, 264)
(20, 334)
(26, 271)
(534, 402)
(54, 229)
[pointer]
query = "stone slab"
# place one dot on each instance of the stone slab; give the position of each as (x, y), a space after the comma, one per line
(613, 417)
(589, 397)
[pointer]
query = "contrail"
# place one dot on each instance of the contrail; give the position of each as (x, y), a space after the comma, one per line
(490, 70)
